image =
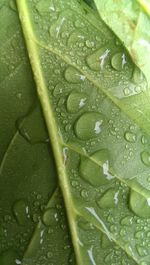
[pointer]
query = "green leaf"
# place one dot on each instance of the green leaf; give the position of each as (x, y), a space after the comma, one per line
(27, 169)
(130, 21)
(92, 96)
(51, 242)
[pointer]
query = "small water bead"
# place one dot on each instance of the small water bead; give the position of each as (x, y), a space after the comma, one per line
(76, 101)
(128, 220)
(138, 76)
(92, 170)
(61, 102)
(84, 225)
(57, 28)
(141, 251)
(90, 44)
(49, 254)
(89, 125)
(98, 60)
(118, 61)
(140, 204)
(130, 137)
(139, 234)
(145, 157)
(84, 193)
(74, 183)
(109, 199)
(123, 232)
(144, 140)
(58, 90)
(44, 7)
(21, 211)
(73, 76)
(75, 38)
(50, 217)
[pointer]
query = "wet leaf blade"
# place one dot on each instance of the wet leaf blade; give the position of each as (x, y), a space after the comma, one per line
(130, 19)
(87, 141)
(22, 145)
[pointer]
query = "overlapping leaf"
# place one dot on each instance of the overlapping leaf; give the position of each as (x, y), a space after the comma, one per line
(130, 20)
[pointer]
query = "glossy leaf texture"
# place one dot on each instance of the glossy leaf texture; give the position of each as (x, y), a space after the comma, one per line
(130, 20)
(96, 105)
(28, 175)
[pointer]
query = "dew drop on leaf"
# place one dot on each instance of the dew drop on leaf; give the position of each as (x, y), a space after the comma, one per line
(145, 157)
(57, 27)
(73, 76)
(93, 171)
(130, 137)
(76, 101)
(109, 199)
(44, 7)
(141, 251)
(139, 204)
(139, 234)
(118, 61)
(89, 44)
(127, 220)
(21, 211)
(98, 60)
(89, 125)
(50, 217)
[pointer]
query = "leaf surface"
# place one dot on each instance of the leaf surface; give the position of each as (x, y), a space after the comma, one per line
(130, 20)
(100, 184)
(27, 169)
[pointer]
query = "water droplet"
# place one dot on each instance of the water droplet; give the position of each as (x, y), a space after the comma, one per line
(118, 61)
(73, 76)
(20, 210)
(138, 76)
(8, 257)
(123, 232)
(58, 90)
(130, 137)
(144, 140)
(141, 251)
(49, 254)
(50, 217)
(145, 157)
(89, 44)
(92, 170)
(139, 234)
(127, 220)
(74, 183)
(76, 37)
(140, 203)
(97, 60)
(57, 28)
(84, 193)
(89, 125)
(76, 101)
(109, 199)
(44, 7)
